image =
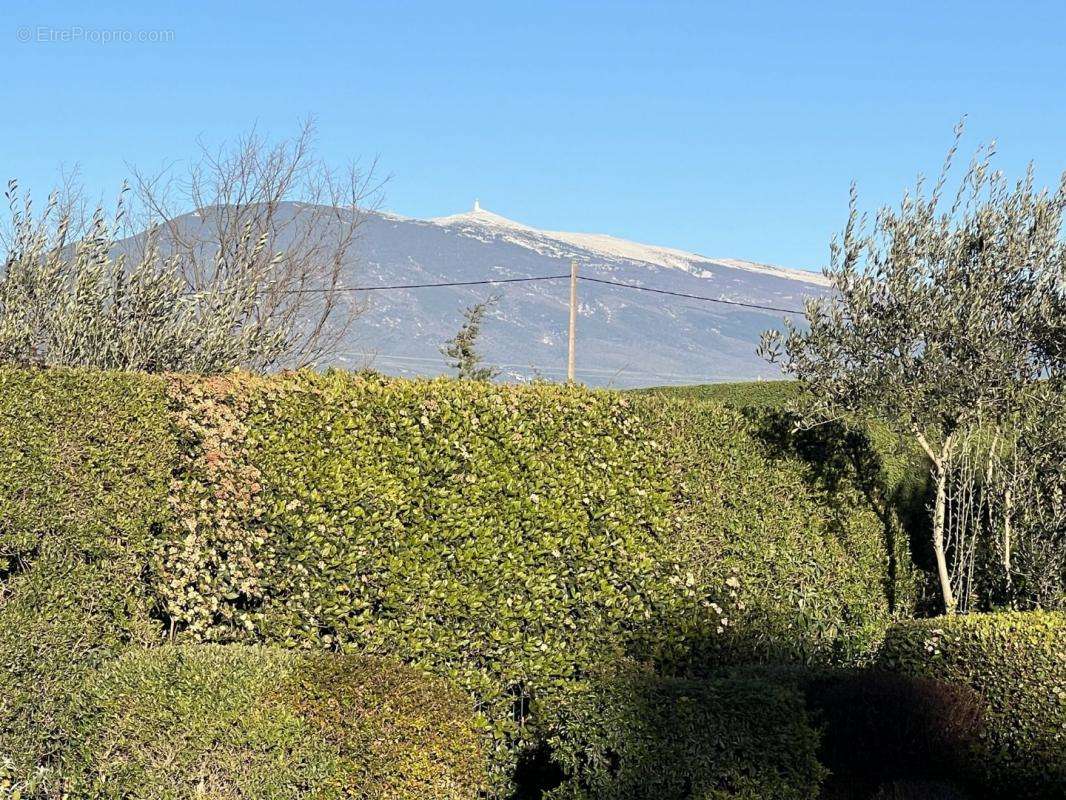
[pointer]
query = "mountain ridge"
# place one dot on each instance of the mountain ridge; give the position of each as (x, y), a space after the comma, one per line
(625, 338)
(615, 246)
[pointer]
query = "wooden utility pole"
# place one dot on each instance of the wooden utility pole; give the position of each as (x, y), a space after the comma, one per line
(573, 320)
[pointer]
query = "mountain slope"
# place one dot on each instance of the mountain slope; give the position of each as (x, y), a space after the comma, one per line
(625, 337)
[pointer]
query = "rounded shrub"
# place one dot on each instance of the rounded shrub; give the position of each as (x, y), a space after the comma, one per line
(635, 735)
(247, 722)
(1016, 663)
(880, 727)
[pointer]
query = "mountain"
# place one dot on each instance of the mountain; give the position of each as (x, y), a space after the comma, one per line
(625, 337)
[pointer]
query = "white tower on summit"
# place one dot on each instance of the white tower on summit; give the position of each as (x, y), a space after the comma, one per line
(477, 205)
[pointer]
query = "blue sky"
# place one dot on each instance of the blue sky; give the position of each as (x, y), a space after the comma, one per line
(732, 129)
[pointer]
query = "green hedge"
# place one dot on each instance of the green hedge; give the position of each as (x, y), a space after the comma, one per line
(792, 522)
(635, 735)
(508, 538)
(901, 468)
(894, 472)
(247, 722)
(1017, 663)
(84, 470)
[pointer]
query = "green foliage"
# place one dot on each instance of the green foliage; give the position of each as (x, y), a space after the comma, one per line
(461, 350)
(84, 468)
(893, 471)
(211, 555)
(254, 282)
(879, 727)
(792, 522)
(248, 722)
(1017, 663)
(511, 540)
(939, 311)
(508, 538)
(635, 735)
(904, 469)
(942, 322)
(67, 299)
(1028, 489)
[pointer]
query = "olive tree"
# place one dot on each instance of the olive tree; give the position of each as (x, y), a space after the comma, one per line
(238, 263)
(937, 322)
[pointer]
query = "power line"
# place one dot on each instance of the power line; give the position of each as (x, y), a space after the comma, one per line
(495, 281)
(690, 296)
(485, 282)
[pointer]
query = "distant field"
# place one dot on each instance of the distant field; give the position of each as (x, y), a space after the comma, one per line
(747, 394)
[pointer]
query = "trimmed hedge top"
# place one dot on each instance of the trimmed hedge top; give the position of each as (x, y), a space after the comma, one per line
(1017, 663)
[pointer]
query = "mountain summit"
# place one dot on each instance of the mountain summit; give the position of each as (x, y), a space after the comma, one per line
(480, 216)
(624, 337)
(613, 247)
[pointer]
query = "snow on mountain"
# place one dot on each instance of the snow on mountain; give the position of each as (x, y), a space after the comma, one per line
(625, 338)
(612, 247)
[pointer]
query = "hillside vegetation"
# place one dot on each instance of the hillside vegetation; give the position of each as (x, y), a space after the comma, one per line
(743, 394)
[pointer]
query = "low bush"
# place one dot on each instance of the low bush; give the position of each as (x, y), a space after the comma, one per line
(84, 468)
(1016, 662)
(246, 722)
(879, 729)
(635, 735)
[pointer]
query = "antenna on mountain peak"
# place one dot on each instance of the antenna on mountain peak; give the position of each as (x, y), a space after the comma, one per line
(477, 205)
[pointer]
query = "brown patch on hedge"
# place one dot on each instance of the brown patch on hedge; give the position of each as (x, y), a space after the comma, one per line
(211, 558)
(403, 734)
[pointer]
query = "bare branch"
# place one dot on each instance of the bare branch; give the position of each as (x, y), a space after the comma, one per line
(241, 261)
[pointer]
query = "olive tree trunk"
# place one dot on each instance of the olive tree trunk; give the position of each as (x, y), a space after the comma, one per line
(941, 464)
